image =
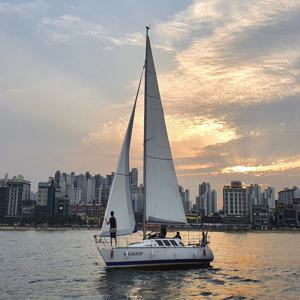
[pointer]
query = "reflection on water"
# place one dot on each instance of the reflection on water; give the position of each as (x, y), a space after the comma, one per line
(55, 265)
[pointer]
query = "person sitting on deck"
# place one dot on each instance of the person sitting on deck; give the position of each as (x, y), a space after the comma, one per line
(203, 242)
(113, 227)
(163, 231)
(177, 237)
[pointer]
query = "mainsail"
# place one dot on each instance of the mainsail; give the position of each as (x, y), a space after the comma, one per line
(120, 198)
(163, 201)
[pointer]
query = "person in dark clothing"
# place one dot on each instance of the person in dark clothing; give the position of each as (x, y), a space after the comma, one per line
(177, 236)
(113, 227)
(163, 231)
(203, 242)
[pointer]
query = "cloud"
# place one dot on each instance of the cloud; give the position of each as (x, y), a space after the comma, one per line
(223, 98)
(65, 27)
(237, 64)
(228, 73)
(20, 8)
(221, 67)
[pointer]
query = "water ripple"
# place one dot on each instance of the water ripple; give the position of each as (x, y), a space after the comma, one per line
(62, 265)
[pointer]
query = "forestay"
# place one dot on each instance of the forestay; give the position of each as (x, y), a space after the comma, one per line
(163, 201)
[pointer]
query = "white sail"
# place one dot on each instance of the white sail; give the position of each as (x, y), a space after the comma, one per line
(119, 198)
(163, 201)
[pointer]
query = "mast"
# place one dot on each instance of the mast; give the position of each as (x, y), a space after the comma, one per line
(145, 128)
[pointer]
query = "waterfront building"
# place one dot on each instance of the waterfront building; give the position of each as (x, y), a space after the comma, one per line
(41, 211)
(88, 212)
(269, 197)
(235, 202)
(287, 196)
(213, 201)
(134, 177)
(51, 197)
(287, 215)
(42, 194)
(13, 192)
(255, 198)
(185, 198)
(4, 197)
(61, 207)
(98, 185)
(254, 194)
(261, 216)
(28, 208)
(33, 196)
(187, 203)
(75, 195)
(137, 197)
(84, 188)
(206, 201)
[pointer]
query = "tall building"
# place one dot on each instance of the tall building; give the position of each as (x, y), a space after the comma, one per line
(185, 198)
(206, 201)
(4, 197)
(287, 196)
(13, 192)
(42, 194)
(51, 197)
(134, 177)
(83, 188)
(235, 202)
(137, 197)
(269, 197)
(214, 206)
(254, 194)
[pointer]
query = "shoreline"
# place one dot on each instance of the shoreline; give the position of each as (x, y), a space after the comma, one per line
(50, 228)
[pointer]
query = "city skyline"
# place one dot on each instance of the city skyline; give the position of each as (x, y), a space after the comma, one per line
(70, 75)
(257, 192)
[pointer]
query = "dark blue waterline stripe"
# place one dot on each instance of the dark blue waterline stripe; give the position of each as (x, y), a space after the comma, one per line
(163, 261)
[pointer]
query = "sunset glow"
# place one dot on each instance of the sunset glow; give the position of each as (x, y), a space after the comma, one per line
(228, 74)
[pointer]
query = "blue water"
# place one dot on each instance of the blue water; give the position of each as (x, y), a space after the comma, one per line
(66, 264)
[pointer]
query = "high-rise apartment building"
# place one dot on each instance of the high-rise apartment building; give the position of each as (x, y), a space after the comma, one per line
(236, 204)
(287, 196)
(83, 188)
(213, 201)
(185, 198)
(42, 194)
(269, 197)
(254, 194)
(13, 192)
(134, 177)
(206, 201)
(4, 197)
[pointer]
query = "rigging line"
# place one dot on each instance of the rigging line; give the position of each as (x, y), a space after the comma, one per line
(141, 77)
(159, 158)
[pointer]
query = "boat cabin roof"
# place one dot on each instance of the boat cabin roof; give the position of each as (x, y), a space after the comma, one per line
(158, 242)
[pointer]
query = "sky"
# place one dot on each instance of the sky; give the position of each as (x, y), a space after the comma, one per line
(229, 76)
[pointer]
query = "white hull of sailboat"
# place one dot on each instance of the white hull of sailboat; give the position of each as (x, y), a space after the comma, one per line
(147, 257)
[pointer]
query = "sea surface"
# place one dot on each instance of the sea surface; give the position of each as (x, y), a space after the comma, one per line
(66, 265)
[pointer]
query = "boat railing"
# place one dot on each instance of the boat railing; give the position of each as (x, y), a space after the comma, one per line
(122, 241)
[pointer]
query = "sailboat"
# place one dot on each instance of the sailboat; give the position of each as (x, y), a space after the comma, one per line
(162, 201)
